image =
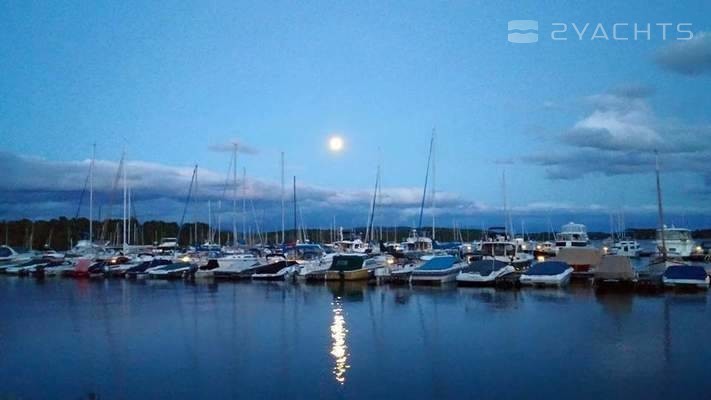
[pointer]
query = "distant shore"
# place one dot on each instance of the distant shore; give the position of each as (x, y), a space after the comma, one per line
(61, 233)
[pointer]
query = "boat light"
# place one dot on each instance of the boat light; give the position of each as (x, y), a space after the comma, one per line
(604, 249)
(538, 247)
(185, 259)
(540, 259)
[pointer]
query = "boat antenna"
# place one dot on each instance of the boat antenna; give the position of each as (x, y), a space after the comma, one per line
(659, 206)
(427, 174)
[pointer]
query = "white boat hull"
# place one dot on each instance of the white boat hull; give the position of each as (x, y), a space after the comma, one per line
(476, 278)
(561, 279)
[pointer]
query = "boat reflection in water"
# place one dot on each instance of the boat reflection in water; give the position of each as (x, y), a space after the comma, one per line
(339, 347)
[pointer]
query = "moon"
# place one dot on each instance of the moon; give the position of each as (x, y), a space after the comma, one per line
(335, 143)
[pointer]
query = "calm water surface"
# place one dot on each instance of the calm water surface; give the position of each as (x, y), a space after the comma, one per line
(118, 339)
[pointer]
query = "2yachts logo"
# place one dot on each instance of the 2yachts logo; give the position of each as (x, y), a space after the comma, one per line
(526, 31)
(523, 31)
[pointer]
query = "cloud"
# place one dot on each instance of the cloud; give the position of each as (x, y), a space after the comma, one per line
(230, 145)
(619, 135)
(34, 187)
(690, 57)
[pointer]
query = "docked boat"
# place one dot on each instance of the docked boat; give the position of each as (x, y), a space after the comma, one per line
(506, 251)
(345, 267)
(678, 241)
(120, 266)
(547, 273)
(274, 271)
(8, 255)
(232, 266)
(484, 272)
(25, 267)
(545, 249)
(416, 245)
(626, 248)
(572, 235)
(142, 270)
(615, 270)
(167, 245)
(437, 270)
(400, 273)
(583, 260)
(351, 246)
(170, 271)
(58, 269)
(686, 276)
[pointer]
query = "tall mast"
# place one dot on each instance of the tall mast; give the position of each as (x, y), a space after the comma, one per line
(659, 206)
(244, 204)
(427, 174)
(197, 240)
(128, 217)
(508, 223)
(209, 221)
(282, 198)
(91, 195)
(296, 232)
(234, 197)
(434, 158)
(125, 199)
(371, 216)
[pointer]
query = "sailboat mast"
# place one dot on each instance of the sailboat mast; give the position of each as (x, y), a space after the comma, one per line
(434, 158)
(91, 195)
(244, 204)
(296, 232)
(197, 240)
(234, 197)
(282, 199)
(125, 199)
(128, 217)
(659, 206)
(427, 174)
(369, 228)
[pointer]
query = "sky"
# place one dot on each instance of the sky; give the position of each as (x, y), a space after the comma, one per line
(572, 123)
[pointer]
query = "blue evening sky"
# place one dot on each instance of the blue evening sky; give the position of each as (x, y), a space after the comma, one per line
(172, 78)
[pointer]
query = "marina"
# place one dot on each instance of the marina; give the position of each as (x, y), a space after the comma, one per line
(355, 200)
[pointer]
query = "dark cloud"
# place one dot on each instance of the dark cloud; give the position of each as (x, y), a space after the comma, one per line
(35, 187)
(691, 57)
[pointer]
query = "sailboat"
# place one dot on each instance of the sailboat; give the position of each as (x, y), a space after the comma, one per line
(672, 272)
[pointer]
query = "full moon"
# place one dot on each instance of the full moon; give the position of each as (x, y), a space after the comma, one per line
(335, 143)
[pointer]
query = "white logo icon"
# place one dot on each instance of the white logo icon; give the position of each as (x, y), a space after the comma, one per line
(523, 31)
